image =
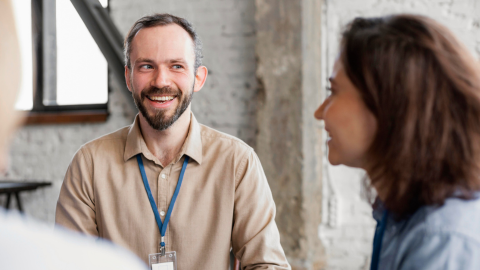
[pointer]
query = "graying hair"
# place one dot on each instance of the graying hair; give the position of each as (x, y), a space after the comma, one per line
(162, 20)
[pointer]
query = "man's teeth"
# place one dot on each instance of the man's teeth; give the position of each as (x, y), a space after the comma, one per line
(162, 98)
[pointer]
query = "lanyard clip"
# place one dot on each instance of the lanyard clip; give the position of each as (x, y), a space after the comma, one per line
(162, 247)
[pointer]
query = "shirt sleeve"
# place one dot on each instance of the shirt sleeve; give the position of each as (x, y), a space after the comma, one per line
(255, 236)
(440, 251)
(76, 203)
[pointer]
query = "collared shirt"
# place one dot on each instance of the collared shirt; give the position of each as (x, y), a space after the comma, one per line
(435, 237)
(224, 202)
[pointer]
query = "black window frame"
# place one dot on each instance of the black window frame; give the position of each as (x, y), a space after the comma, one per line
(110, 43)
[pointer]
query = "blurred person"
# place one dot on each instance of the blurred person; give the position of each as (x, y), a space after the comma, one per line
(167, 185)
(25, 243)
(9, 79)
(405, 107)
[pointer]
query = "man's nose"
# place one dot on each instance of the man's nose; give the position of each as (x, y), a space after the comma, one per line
(162, 78)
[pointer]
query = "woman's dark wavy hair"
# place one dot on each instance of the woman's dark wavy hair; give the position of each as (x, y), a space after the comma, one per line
(423, 86)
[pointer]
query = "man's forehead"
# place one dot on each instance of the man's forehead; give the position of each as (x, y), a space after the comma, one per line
(165, 37)
(169, 29)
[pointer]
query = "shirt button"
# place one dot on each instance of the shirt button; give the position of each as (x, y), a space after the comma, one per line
(164, 176)
(162, 213)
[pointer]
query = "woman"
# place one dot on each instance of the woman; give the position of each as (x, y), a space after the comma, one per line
(405, 106)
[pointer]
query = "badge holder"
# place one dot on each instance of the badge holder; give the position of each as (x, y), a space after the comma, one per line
(167, 261)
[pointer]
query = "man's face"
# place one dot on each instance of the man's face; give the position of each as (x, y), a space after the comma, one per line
(162, 75)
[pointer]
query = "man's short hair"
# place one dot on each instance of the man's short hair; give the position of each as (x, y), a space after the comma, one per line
(163, 20)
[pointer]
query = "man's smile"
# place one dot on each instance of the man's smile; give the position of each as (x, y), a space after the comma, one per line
(160, 99)
(161, 102)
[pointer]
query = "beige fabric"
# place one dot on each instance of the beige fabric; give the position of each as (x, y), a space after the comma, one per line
(224, 201)
(9, 79)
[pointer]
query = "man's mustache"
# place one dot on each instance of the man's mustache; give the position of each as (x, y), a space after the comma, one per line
(160, 91)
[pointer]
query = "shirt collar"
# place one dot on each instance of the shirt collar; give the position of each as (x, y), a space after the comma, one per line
(193, 143)
(192, 146)
(378, 209)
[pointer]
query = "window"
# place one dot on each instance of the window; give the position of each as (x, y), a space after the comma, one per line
(64, 73)
(82, 71)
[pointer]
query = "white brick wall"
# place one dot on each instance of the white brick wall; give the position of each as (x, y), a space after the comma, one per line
(348, 244)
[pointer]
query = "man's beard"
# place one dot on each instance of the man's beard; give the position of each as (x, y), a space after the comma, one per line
(159, 120)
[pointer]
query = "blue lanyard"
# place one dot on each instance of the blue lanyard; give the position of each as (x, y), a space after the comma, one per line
(377, 241)
(161, 226)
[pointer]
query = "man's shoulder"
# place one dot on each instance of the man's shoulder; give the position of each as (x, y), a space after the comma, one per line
(107, 143)
(212, 138)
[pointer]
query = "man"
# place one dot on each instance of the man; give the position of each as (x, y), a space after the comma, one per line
(24, 243)
(215, 182)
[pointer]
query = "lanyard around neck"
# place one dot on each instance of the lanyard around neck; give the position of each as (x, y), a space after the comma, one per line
(377, 241)
(161, 226)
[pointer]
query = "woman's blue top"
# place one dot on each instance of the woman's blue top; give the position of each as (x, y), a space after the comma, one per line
(434, 237)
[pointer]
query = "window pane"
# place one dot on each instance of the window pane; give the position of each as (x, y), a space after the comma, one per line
(23, 17)
(104, 3)
(81, 67)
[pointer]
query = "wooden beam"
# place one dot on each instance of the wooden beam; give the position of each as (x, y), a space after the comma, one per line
(40, 118)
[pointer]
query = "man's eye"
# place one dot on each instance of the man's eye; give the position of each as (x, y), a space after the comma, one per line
(177, 67)
(146, 66)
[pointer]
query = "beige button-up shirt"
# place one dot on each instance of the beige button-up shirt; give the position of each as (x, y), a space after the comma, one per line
(224, 200)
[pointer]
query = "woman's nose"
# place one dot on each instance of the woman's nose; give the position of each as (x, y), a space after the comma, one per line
(319, 112)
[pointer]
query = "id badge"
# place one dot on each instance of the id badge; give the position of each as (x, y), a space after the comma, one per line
(165, 262)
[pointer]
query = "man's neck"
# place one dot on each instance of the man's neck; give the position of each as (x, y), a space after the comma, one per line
(166, 144)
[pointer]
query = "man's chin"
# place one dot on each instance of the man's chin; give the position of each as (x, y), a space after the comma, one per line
(157, 118)
(163, 113)
(158, 122)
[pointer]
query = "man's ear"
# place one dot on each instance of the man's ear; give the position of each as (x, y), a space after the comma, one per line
(127, 78)
(200, 78)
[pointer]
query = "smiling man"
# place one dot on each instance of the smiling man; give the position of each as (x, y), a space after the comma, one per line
(167, 185)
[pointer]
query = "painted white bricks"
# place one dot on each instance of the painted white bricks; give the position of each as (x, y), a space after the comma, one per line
(348, 245)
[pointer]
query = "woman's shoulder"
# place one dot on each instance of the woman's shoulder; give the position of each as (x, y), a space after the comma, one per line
(436, 236)
(456, 216)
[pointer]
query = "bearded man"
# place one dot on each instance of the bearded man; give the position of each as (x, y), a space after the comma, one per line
(167, 188)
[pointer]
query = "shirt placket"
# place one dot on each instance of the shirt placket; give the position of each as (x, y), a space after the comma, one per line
(169, 181)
